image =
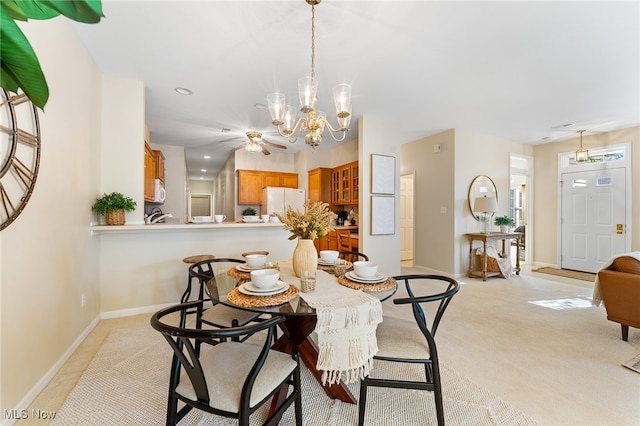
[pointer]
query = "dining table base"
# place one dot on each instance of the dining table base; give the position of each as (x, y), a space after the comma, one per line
(296, 339)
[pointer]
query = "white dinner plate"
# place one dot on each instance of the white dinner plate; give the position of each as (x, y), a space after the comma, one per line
(252, 290)
(246, 268)
(202, 221)
(378, 278)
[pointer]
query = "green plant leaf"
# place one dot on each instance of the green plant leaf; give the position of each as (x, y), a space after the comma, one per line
(19, 63)
(29, 9)
(87, 11)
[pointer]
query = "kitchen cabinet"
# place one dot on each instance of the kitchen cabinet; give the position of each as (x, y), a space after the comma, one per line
(249, 187)
(159, 156)
(320, 185)
(251, 182)
(153, 169)
(345, 184)
(150, 168)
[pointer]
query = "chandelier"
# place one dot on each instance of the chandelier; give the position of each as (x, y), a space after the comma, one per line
(582, 154)
(284, 116)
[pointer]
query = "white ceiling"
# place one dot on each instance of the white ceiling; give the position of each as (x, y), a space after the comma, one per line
(511, 70)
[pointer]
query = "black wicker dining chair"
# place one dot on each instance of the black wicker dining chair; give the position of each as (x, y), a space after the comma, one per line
(406, 341)
(212, 372)
(217, 315)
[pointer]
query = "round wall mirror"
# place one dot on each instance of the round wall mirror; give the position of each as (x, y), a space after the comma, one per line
(481, 186)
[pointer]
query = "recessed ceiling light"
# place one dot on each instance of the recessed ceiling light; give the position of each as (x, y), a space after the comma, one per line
(260, 106)
(203, 170)
(206, 157)
(183, 91)
(201, 178)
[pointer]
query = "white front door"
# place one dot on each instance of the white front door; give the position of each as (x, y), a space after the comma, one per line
(593, 218)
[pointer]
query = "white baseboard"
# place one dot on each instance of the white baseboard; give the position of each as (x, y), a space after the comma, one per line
(44, 380)
(133, 311)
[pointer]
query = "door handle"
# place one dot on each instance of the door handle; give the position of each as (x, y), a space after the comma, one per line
(619, 228)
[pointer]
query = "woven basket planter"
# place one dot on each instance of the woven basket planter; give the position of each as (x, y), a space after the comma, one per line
(115, 217)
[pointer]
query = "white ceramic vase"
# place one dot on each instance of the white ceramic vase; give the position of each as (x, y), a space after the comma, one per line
(305, 257)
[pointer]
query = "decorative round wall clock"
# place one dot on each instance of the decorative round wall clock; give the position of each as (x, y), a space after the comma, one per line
(19, 154)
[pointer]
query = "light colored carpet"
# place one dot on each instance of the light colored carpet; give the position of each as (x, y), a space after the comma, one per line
(127, 382)
(584, 276)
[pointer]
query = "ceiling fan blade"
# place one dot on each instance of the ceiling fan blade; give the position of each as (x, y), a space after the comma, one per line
(275, 145)
(265, 151)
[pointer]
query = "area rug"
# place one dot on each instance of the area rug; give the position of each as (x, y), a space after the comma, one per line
(633, 364)
(584, 276)
(126, 383)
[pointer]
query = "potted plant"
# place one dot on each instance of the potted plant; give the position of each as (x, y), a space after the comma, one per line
(504, 222)
(113, 206)
(249, 214)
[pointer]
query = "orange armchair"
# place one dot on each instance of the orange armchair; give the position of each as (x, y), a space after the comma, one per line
(620, 291)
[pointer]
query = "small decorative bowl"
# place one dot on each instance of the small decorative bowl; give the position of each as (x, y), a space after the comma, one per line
(328, 255)
(265, 278)
(255, 260)
(365, 269)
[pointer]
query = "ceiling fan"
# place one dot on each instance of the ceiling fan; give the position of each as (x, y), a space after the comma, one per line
(257, 144)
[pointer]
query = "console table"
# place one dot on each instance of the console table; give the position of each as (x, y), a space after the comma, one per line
(491, 236)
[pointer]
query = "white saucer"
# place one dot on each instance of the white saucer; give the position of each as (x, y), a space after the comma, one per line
(246, 268)
(252, 221)
(202, 221)
(323, 263)
(252, 290)
(378, 278)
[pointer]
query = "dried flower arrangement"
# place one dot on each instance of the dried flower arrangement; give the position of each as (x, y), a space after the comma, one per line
(313, 223)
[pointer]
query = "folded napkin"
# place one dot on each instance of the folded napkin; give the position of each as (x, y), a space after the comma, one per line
(346, 329)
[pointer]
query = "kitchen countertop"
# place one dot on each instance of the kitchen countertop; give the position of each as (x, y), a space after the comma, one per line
(182, 226)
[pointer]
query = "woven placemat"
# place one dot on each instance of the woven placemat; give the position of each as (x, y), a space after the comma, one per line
(248, 301)
(329, 268)
(387, 284)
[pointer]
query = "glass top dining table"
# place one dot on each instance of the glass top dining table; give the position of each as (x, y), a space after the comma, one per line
(300, 318)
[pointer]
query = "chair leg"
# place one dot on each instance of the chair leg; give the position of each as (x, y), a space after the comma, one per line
(437, 395)
(625, 332)
(362, 401)
(298, 401)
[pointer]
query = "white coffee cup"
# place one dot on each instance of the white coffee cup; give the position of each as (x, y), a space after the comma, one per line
(220, 218)
(265, 218)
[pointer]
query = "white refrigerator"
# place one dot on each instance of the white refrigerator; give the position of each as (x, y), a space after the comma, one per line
(276, 200)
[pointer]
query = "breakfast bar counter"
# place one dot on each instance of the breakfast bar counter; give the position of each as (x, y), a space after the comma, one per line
(141, 266)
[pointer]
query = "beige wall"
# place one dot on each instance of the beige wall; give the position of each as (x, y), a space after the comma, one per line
(545, 196)
(442, 182)
(434, 189)
(48, 255)
(374, 136)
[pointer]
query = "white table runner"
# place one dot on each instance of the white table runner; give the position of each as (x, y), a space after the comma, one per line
(346, 326)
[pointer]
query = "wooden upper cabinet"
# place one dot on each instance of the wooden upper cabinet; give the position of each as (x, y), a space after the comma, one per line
(251, 182)
(159, 165)
(320, 185)
(249, 187)
(344, 184)
(149, 172)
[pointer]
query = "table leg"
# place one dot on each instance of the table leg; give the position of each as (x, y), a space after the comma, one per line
(517, 256)
(295, 339)
(484, 260)
(469, 273)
